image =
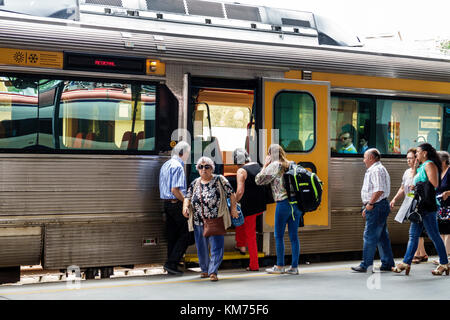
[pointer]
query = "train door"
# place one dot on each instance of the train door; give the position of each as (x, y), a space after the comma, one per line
(295, 115)
(220, 118)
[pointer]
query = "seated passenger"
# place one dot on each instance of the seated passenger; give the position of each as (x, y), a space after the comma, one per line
(363, 141)
(347, 144)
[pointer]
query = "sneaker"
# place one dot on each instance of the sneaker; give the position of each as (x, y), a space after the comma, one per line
(292, 270)
(275, 270)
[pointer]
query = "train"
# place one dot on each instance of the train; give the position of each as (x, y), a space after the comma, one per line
(90, 109)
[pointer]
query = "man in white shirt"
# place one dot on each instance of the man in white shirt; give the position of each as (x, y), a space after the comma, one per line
(374, 193)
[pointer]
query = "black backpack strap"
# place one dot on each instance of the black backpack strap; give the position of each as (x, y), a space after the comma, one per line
(287, 186)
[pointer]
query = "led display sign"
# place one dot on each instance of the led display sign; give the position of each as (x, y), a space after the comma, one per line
(100, 63)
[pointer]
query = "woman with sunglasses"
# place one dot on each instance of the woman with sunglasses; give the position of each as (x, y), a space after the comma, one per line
(275, 166)
(204, 193)
(429, 171)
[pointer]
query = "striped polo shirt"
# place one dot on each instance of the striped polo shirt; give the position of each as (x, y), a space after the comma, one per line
(171, 176)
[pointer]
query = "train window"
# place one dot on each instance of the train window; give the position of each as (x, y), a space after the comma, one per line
(295, 118)
(107, 116)
(18, 112)
(391, 125)
(228, 125)
(350, 124)
(401, 125)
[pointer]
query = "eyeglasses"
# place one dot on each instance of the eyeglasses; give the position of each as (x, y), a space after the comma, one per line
(206, 167)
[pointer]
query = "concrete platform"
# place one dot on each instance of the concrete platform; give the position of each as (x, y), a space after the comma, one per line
(316, 281)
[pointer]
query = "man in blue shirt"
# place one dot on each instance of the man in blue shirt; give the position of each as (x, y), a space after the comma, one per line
(172, 188)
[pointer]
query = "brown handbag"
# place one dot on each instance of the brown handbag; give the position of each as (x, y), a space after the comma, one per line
(214, 226)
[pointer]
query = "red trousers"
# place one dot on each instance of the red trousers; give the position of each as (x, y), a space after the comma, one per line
(246, 237)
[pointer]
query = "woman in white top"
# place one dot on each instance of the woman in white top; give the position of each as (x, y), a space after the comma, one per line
(405, 188)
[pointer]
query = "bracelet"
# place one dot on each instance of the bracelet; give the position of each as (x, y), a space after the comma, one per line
(370, 204)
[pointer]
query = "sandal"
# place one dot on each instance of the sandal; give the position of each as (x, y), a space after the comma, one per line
(213, 277)
(439, 271)
(418, 259)
(400, 267)
(204, 275)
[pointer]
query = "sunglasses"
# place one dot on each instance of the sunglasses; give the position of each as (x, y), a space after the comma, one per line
(206, 167)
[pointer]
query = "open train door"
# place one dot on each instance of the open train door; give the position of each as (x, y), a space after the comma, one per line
(295, 113)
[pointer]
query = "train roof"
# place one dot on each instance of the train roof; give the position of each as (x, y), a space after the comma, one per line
(128, 33)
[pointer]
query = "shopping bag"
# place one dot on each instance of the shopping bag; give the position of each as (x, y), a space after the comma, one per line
(404, 208)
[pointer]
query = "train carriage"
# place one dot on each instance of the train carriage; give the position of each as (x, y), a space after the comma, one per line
(90, 109)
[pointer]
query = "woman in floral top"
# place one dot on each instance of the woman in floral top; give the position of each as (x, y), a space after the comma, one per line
(204, 195)
(274, 168)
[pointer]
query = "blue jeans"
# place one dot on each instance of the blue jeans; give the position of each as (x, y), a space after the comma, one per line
(209, 264)
(376, 235)
(283, 215)
(431, 225)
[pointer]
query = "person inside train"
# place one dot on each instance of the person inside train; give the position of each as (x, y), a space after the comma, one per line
(249, 194)
(275, 165)
(347, 143)
(206, 199)
(374, 193)
(172, 188)
(429, 171)
(405, 188)
(443, 195)
(363, 141)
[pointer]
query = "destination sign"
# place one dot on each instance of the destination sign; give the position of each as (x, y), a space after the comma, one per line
(101, 63)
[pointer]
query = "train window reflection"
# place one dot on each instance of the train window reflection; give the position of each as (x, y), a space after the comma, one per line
(294, 114)
(391, 125)
(350, 124)
(18, 112)
(107, 116)
(404, 124)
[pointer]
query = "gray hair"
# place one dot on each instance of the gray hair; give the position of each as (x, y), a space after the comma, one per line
(444, 156)
(181, 148)
(240, 156)
(207, 161)
(374, 153)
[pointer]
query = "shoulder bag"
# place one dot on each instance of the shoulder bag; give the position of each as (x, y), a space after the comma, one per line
(211, 227)
(235, 221)
(413, 214)
(444, 209)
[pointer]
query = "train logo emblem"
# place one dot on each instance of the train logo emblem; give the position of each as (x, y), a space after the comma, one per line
(19, 57)
(33, 58)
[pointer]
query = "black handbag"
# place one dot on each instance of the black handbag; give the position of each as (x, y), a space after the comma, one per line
(427, 194)
(413, 214)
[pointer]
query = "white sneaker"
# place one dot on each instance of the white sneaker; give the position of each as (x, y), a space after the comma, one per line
(275, 270)
(292, 270)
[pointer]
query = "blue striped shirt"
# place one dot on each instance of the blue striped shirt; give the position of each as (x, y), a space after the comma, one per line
(171, 176)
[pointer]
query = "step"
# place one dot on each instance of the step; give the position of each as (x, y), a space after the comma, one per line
(226, 256)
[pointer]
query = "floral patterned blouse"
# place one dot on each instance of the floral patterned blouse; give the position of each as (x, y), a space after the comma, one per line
(273, 174)
(210, 194)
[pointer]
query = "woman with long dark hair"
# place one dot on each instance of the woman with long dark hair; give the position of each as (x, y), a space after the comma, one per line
(429, 171)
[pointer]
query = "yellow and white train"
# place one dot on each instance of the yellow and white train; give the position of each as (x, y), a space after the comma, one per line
(88, 108)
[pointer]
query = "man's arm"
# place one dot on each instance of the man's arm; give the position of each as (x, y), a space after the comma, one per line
(177, 193)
